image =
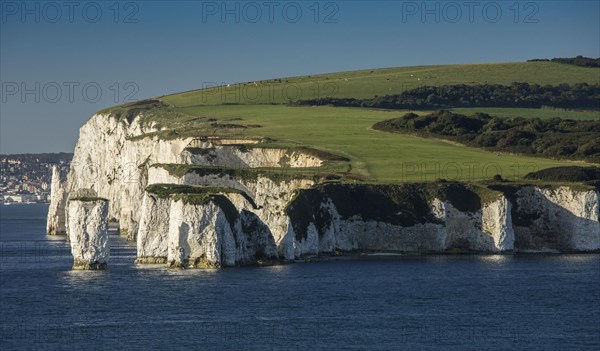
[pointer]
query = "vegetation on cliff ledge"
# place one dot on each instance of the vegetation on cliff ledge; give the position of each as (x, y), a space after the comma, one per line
(164, 191)
(87, 199)
(276, 174)
(194, 194)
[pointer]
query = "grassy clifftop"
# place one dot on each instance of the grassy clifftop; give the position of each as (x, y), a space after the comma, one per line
(261, 109)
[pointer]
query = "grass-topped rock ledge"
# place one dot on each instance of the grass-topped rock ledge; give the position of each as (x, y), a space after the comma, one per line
(370, 164)
(201, 227)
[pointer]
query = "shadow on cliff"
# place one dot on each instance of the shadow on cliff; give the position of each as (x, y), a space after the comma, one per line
(542, 225)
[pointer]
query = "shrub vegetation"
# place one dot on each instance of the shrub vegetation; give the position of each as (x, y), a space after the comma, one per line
(554, 138)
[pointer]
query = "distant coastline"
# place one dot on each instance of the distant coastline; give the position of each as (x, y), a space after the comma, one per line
(26, 178)
(23, 203)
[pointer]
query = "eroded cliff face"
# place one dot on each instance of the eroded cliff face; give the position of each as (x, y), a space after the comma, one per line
(270, 198)
(199, 236)
(497, 221)
(88, 232)
(213, 233)
(333, 218)
(219, 154)
(110, 160)
(399, 218)
(261, 216)
(152, 236)
(514, 218)
(558, 219)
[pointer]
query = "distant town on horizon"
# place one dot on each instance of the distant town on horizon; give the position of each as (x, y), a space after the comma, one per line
(26, 178)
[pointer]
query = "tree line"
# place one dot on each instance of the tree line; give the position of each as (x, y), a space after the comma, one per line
(581, 95)
(553, 138)
(577, 61)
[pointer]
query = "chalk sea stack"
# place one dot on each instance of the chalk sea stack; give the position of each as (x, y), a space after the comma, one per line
(87, 226)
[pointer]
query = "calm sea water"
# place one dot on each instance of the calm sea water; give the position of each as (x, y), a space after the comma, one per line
(401, 303)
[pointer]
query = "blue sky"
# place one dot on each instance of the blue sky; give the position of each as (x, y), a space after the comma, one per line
(60, 63)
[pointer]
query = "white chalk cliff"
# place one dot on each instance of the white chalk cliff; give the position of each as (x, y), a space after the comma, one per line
(211, 235)
(261, 216)
(153, 230)
(556, 219)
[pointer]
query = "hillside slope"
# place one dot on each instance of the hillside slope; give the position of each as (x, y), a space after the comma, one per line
(377, 82)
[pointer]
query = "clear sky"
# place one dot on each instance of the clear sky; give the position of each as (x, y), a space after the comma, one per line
(62, 61)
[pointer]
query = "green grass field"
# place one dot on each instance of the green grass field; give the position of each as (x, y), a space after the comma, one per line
(368, 83)
(375, 156)
(380, 157)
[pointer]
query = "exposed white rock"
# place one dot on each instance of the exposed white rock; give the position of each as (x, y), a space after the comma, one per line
(207, 234)
(152, 238)
(159, 175)
(112, 159)
(270, 197)
(556, 219)
(55, 224)
(244, 156)
(109, 159)
(357, 234)
(581, 210)
(211, 141)
(199, 236)
(497, 222)
(88, 232)
(488, 230)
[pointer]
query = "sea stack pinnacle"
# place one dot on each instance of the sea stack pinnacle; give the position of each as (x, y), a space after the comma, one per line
(87, 225)
(55, 224)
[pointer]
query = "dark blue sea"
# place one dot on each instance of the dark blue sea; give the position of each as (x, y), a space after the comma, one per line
(467, 302)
